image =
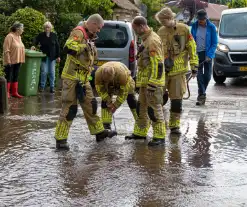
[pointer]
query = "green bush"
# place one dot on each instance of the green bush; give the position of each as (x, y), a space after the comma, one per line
(33, 23)
(64, 24)
(1, 72)
(3, 30)
(238, 4)
(1, 67)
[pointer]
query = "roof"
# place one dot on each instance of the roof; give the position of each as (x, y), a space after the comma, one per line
(214, 10)
(232, 11)
(126, 4)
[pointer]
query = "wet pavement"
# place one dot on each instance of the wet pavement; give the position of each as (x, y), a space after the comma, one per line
(206, 166)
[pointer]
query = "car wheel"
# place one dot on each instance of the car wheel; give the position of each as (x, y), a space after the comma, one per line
(218, 79)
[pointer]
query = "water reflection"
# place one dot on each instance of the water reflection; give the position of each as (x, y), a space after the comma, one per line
(201, 146)
(174, 153)
(203, 167)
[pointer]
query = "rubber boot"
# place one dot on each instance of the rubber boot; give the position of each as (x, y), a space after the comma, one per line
(135, 137)
(201, 100)
(41, 90)
(8, 89)
(112, 133)
(62, 144)
(156, 142)
(176, 131)
(174, 123)
(52, 90)
(107, 126)
(15, 90)
(106, 133)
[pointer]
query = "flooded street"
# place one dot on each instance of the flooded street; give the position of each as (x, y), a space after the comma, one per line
(206, 166)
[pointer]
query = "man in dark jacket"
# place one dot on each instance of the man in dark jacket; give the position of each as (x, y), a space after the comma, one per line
(205, 35)
(49, 45)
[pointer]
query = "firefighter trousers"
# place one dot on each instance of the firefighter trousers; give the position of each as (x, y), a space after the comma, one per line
(176, 87)
(150, 111)
(69, 110)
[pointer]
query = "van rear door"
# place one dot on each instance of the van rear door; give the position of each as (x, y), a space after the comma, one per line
(113, 43)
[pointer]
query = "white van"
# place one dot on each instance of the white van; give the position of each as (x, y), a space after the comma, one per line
(231, 54)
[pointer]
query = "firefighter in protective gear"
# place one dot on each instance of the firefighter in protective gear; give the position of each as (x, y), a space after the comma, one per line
(151, 80)
(114, 78)
(76, 87)
(179, 52)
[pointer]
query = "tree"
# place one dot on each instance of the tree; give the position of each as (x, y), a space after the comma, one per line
(58, 12)
(54, 7)
(238, 4)
(33, 23)
(192, 6)
(3, 30)
(2, 36)
(64, 20)
(152, 8)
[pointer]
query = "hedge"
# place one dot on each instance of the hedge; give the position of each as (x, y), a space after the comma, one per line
(33, 23)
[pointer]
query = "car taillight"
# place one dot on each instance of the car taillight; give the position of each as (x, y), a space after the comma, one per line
(132, 52)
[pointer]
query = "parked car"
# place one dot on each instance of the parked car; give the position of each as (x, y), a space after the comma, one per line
(116, 42)
(231, 54)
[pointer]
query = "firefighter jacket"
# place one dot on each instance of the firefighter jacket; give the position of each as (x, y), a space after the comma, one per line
(179, 45)
(81, 53)
(120, 85)
(150, 61)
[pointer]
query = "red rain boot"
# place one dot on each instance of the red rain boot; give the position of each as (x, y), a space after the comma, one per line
(15, 90)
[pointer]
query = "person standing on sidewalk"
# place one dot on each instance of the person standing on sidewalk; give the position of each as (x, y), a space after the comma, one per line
(205, 35)
(49, 45)
(13, 57)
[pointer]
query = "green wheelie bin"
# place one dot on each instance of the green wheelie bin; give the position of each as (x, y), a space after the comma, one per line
(29, 73)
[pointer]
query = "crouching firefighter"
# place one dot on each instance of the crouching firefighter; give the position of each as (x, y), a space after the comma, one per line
(114, 78)
(76, 87)
(179, 51)
(150, 80)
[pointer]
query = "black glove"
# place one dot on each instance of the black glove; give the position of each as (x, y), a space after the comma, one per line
(169, 63)
(194, 71)
(137, 90)
(140, 50)
(80, 92)
(165, 98)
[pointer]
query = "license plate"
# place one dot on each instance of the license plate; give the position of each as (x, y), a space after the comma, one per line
(244, 68)
(100, 62)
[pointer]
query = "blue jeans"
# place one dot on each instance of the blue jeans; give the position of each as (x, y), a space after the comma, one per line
(204, 74)
(47, 66)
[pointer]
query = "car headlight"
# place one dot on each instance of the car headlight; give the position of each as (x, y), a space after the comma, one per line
(222, 48)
